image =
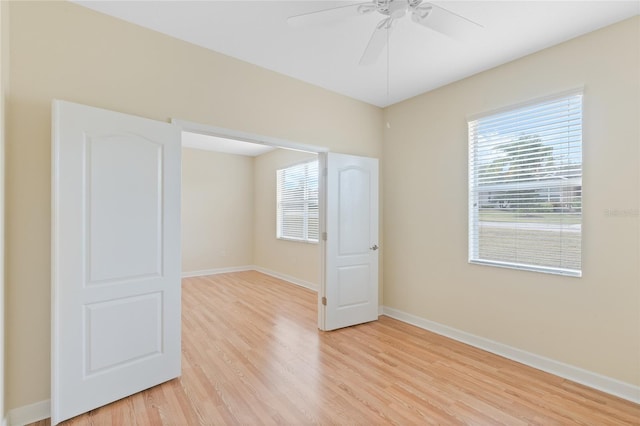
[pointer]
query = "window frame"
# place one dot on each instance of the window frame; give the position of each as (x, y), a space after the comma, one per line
(474, 195)
(306, 202)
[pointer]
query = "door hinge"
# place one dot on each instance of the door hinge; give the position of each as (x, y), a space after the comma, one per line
(324, 301)
(324, 236)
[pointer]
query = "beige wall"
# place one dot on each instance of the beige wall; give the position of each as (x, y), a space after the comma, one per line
(592, 322)
(4, 68)
(294, 259)
(217, 210)
(229, 215)
(61, 50)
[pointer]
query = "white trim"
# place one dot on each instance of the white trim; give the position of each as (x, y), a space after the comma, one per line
(205, 272)
(594, 380)
(552, 96)
(222, 132)
(289, 278)
(31, 413)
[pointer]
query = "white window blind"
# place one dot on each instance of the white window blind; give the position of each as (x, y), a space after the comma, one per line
(297, 201)
(525, 187)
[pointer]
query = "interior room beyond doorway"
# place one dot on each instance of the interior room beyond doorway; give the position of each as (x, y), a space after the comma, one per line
(229, 211)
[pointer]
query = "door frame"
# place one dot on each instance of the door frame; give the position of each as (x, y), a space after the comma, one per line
(221, 132)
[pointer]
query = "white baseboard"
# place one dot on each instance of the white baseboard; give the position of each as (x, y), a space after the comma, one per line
(594, 380)
(215, 271)
(29, 413)
(285, 277)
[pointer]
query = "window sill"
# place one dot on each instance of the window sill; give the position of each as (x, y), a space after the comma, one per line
(296, 240)
(547, 270)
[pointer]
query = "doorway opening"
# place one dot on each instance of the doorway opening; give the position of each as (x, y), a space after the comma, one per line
(347, 289)
(232, 219)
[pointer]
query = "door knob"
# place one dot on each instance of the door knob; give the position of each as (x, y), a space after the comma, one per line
(374, 247)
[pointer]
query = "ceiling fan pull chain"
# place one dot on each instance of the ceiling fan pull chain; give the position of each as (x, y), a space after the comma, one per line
(388, 67)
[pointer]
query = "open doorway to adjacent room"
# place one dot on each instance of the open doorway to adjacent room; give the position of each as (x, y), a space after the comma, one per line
(231, 214)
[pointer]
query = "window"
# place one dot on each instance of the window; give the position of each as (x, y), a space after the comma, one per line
(525, 187)
(297, 201)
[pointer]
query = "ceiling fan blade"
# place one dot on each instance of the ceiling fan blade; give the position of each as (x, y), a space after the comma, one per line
(377, 42)
(444, 21)
(330, 16)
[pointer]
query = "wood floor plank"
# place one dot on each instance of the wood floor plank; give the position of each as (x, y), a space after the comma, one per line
(252, 355)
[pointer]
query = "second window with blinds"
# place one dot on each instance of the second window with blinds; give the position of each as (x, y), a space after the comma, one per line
(297, 202)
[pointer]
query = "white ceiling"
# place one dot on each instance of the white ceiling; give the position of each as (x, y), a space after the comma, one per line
(228, 146)
(327, 56)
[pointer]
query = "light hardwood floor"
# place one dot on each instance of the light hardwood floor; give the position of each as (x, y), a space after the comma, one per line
(252, 355)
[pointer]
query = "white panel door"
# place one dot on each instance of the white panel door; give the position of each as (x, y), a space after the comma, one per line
(115, 257)
(350, 292)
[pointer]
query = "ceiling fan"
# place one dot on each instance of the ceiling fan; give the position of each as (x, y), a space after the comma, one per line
(427, 14)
